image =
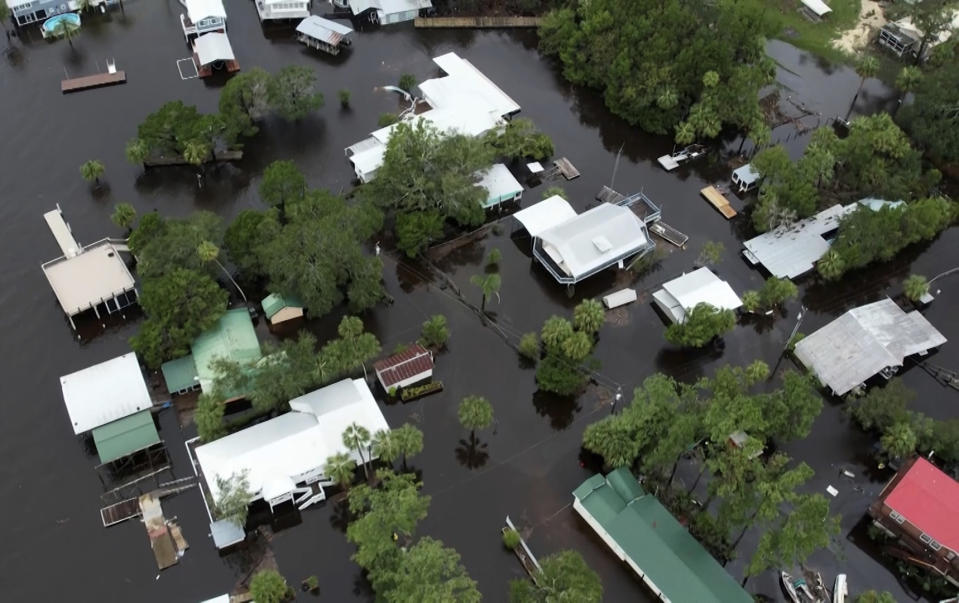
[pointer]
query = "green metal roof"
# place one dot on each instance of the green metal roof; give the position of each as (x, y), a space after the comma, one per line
(179, 374)
(232, 338)
(125, 436)
(651, 537)
(275, 302)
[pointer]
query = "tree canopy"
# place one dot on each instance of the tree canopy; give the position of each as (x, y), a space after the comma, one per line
(291, 92)
(932, 119)
(703, 324)
(565, 577)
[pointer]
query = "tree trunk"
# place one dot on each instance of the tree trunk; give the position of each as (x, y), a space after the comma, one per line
(366, 470)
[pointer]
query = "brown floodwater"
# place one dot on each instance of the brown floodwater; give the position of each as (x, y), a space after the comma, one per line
(526, 466)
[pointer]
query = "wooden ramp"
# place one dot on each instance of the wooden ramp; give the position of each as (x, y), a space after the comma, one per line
(479, 22)
(120, 512)
(669, 233)
(567, 169)
(97, 80)
(717, 200)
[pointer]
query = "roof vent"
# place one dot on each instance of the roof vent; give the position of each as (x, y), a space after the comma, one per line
(602, 244)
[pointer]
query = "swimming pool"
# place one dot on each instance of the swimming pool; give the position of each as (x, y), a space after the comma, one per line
(50, 25)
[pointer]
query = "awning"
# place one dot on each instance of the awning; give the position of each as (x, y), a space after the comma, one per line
(817, 6)
(213, 47)
(545, 215)
(125, 436)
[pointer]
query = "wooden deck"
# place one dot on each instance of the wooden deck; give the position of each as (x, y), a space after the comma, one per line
(669, 233)
(717, 200)
(566, 168)
(608, 195)
(479, 22)
(97, 80)
(120, 512)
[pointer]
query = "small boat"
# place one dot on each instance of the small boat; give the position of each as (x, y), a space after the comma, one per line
(840, 591)
(794, 586)
(671, 162)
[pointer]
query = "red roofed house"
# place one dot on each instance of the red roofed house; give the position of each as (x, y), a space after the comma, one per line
(412, 365)
(920, 507)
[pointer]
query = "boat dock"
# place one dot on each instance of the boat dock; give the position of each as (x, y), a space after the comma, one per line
(719, 201)
(526, 558)
(608, 195)
(62, 233)
(567, 169)
(97, 80)
(120, 512)
(166, 539)
(669, 233)
(476, 22)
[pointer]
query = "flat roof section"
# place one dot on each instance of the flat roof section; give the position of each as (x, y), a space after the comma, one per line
(105, 392)
(90, 278)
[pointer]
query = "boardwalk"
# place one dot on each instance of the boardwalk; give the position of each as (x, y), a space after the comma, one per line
(97, 80)
(119, 512)
(479, 22)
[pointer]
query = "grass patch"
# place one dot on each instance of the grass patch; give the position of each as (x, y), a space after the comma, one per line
(786, 22)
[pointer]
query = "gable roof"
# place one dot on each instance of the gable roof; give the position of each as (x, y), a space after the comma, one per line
(125, 436)
(701, 285)
(661, 550)
(105, 392)
(179, 374)
(197, 10)
(929, 500)
(544, 215)
(275, 302)
(232, 338)
(414, 360)
(864, 341)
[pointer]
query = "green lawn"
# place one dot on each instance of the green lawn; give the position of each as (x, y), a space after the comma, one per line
(787, 23)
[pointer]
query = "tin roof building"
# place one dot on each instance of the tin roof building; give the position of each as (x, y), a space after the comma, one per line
(681, 295)
(412, 365)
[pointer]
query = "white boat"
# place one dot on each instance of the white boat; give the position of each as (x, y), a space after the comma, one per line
(840, 591)
(671, 162)
(789, 584)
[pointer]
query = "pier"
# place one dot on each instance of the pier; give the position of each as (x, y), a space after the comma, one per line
(97, 80)
(476, 22)
(719, 201)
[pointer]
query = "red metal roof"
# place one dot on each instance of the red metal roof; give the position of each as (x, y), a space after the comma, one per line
(413, 361)
(929, 500)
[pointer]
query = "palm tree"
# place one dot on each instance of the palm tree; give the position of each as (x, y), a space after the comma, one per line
(209, 252)
(867, 67)
(196, 152)
(124, 215)
(137, 151)
(357, 437)
(489, 284)
(409, 441)
(589, 316)
(92, 170)
(65, 29)
(340, 468)
(685, 133)
(915, 286)
(907, 80)
(831, 265)
(475, 412)
(385, 446)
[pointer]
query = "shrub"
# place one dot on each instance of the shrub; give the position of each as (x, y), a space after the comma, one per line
(529, 346)
(703, 324)
(344, 98)
(417, 391)
(268, 586)
(435, 333)
(407, 82)
(511, 538)
(387, 119)
(555, 190)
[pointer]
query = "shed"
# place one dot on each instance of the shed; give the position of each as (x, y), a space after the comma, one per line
(231, 338)
(501, 186)
(125, 436)
(323, 34)
(866, 341)
(791, 250)
(544, 215)
(640, 531)
(619, 298)
(817, 7)
(180, 375)
(412, 365)
(682, 294)
(105, 392)
(281, 308)
(213, 47)
(746, 178)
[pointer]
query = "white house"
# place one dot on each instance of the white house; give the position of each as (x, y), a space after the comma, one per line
(385, 12)
(464, 101)
(682, 294)
(500, 185)
(273, 10)
(202, 16)
(284, 458)
(573, 247)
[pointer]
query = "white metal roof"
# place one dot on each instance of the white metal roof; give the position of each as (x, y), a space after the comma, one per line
(684, 293)
(284, 448)
(544, 215)
(817, 6)
(499, 182)
(213, 47)
(85, 280)
(202, 9)
(105, 392)
(864, 341)
(62, 233)
(322, 29)
(746, 174)
(791, 250)
(388, 7)
(594, 238)
(474, 82)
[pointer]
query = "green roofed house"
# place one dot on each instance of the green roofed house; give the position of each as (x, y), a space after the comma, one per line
(231, 338)
(641, 532)
(125, 436)
(281, 308)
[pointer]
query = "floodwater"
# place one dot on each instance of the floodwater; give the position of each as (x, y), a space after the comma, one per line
(525, 466)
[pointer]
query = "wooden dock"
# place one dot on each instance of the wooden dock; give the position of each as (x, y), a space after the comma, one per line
(669, 233)
(476, 22)
(566, 168)
(88, 82)
(608, 195)
(120, 512)
(171, 160)
(166, 539)
(717, 200)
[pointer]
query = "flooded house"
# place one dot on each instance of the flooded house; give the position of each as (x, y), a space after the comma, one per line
(322, 34)
(500, 186)
(278, 10)
(746, 178)
(640, 531)
(384, 12)
(411, 366)
(573, 247)
(202, 16)
(281, 308)
(88, 277)
(25, 12)
(284, 458)
(874, 339)
(464, 101)
(919, 508)
(682, 294)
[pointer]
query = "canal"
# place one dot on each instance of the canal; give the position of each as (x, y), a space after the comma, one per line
(526, 466)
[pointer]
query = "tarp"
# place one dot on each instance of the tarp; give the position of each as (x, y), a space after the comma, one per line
(544, 215)
(818, 7)
(125, 436)
(213, 47)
